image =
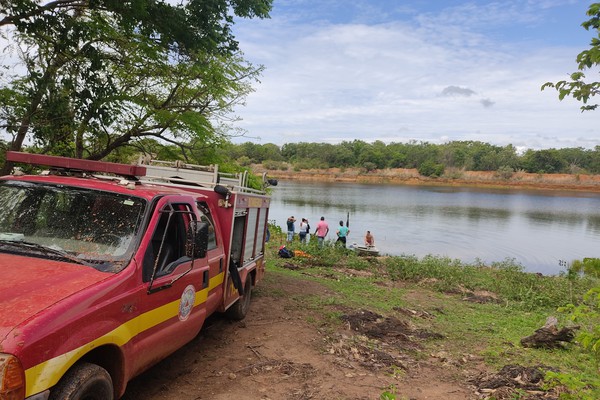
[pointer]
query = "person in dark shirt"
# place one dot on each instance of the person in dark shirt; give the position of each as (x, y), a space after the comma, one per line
(290, 228)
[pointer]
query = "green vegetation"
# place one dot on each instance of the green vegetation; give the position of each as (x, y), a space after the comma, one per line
(95, 77)
(577, 87)
(430, 159)
(511, 305)
(429, 168)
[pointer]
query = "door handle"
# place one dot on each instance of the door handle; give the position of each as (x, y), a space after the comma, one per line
(205, 279)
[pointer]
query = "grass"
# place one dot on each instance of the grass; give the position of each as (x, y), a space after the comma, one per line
(438, 285)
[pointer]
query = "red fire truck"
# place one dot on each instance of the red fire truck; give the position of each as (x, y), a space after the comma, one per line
(108, 268)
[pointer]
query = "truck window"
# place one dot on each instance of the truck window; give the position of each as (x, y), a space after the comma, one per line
(88, 225)
(205, 216)
(168, 239)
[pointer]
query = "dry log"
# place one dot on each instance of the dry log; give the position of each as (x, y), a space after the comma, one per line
(549, 336)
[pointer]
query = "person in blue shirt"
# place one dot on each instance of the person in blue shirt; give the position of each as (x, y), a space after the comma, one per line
(290, 228)
(342, 233)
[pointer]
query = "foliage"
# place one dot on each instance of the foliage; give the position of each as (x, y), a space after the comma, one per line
(543, 161)
(429, 168)
(78, 95)
(577, 387)
(275, 229)
(188, 26)
(587, 267)
(505, 172)
(453, 156)
(587, 314)
(506, 279)
(369, 166)
(577, 87)
(275, 165)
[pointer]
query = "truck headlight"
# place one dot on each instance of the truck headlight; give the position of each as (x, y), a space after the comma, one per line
(12, 378)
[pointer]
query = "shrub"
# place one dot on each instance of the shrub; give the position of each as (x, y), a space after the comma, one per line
(310, 164)
(272, 165)
(587, 267)
(454, 173)
(505, 172)
(369, 166)
(429, 168)
(244, 161)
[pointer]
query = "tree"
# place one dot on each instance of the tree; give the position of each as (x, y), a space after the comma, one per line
(421, 152)
(543, 161)
(577, 87)
(429, 168)
(189, 26)
(373, 153)
(105, 73)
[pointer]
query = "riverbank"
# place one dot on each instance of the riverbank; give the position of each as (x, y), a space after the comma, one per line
(331, 325)
(403, 176)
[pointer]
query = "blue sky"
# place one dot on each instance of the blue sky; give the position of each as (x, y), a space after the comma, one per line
(433, 71)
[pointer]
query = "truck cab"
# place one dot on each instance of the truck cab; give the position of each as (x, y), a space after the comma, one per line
(109, 268)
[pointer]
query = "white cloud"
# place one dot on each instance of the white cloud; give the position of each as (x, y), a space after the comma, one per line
(333, 82)
(383, 82)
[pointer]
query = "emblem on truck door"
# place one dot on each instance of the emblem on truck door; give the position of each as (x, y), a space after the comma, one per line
(188, 297)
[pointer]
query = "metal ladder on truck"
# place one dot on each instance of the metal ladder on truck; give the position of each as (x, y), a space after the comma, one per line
(180, 173)
(175, 173)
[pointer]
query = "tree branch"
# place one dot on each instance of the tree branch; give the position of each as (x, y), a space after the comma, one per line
(53, 5)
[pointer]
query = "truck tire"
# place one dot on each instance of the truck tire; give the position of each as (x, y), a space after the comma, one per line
(240, 308)
(84, 381)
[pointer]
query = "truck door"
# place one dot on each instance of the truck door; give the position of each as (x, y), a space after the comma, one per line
(173, 306)
(216, 258)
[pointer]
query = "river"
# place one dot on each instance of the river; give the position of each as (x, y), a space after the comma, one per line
(541, 230)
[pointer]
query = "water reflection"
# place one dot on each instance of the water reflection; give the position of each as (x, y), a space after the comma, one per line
(535, 228)
(593, 225)
(547, 218)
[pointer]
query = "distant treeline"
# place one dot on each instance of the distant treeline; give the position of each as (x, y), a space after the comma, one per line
(430, 159)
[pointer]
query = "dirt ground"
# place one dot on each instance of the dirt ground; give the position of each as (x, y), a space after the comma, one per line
(281, 351)
(276, 354)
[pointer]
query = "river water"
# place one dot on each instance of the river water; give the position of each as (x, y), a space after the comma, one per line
(541, 230)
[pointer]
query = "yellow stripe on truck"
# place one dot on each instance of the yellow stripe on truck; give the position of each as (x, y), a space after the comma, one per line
(46, 374)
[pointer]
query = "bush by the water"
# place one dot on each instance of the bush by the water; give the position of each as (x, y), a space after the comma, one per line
(506, 279)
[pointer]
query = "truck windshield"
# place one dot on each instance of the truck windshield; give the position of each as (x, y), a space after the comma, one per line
(71, 224)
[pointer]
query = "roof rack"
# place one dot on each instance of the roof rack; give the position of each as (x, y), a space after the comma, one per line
(76, 165)
(180, 173)
(146, 170)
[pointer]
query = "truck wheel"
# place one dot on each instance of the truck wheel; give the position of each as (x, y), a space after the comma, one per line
(84, 382)
(239, 310)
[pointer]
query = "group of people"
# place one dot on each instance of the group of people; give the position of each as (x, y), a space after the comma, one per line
(321, 232)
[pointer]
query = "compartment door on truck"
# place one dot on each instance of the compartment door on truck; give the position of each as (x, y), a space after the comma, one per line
(247, 247)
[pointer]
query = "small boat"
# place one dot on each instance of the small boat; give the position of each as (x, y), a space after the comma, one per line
(365, 250)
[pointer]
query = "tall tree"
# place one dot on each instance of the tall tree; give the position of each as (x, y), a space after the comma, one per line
(103, 73)
(577, 87)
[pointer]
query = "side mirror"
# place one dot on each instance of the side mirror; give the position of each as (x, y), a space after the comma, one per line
(196, 243)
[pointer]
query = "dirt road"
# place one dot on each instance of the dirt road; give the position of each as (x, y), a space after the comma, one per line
(282, 350)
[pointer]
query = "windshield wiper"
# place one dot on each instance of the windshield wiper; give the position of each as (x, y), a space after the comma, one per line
(44, 249)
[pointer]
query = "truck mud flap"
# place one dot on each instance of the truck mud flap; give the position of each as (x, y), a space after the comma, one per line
(235, 278)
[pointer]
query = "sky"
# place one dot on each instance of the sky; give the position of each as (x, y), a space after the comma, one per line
(417, 70)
